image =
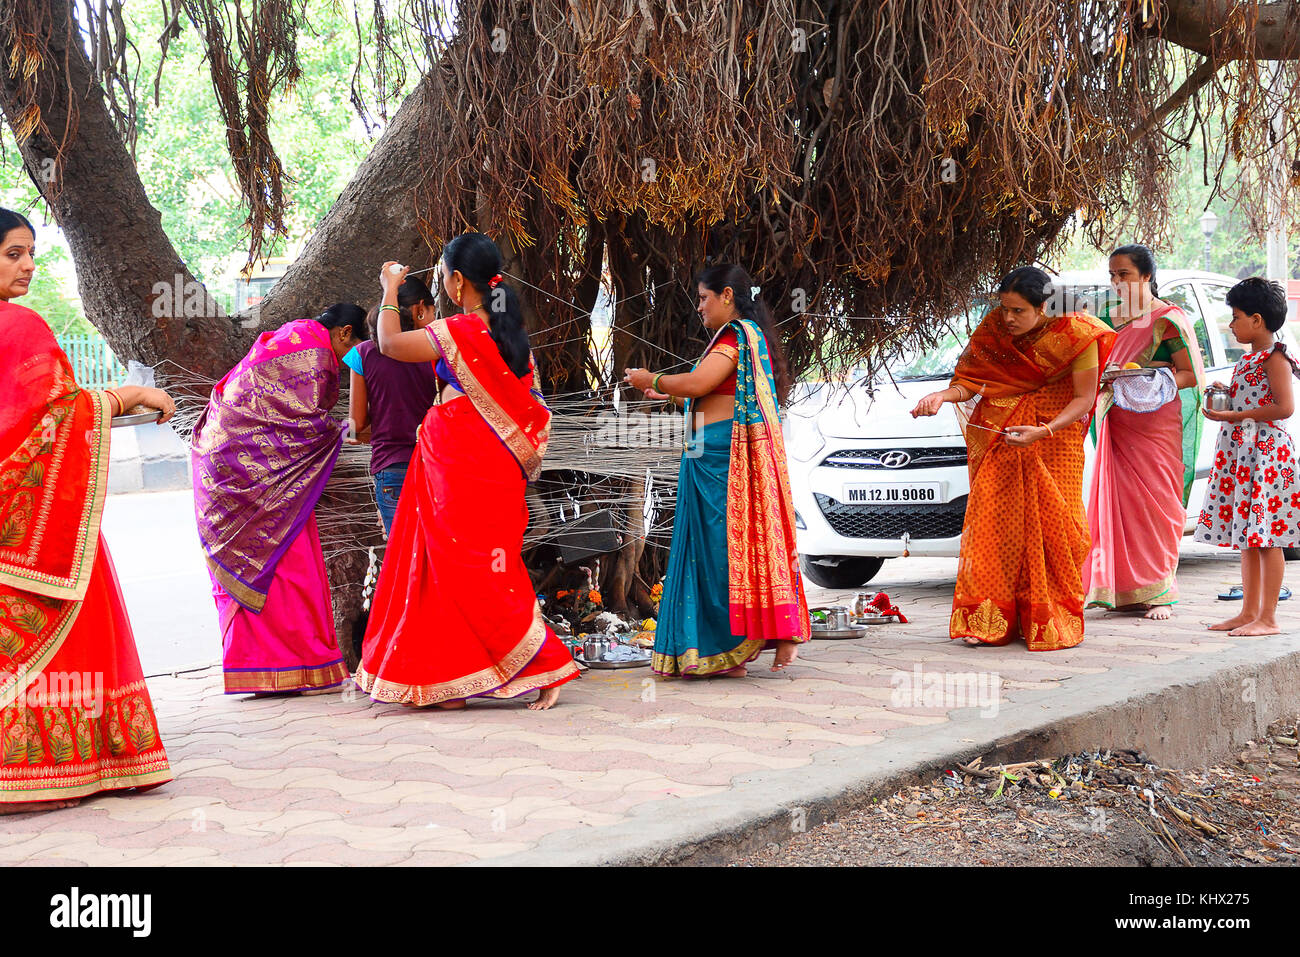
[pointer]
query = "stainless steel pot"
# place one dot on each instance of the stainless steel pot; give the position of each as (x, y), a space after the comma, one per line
(1218, 398)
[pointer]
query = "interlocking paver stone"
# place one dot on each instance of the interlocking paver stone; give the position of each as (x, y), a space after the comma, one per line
(336, 779)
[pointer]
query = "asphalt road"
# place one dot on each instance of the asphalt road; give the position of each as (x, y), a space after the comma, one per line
(155, 547)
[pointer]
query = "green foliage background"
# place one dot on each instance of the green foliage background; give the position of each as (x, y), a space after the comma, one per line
(182, 160)
(183, 164)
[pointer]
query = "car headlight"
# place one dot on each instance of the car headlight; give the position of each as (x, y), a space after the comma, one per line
(803, 439)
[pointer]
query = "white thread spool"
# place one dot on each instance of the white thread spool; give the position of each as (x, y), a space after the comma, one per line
(395, 269)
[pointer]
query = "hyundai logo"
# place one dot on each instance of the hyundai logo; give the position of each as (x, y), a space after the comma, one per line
(895, 459)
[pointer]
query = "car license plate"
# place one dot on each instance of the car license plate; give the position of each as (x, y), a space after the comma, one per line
(910, 493)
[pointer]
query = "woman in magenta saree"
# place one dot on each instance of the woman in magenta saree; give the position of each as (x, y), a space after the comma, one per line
(454, 614)
(262, 452)
(1146, 461)
(75, 715)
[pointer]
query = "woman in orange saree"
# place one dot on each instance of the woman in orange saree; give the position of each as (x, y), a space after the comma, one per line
(1025, 536)
(75, 715)
(454, 614)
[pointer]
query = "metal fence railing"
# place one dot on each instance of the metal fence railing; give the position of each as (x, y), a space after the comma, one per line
(93, 361)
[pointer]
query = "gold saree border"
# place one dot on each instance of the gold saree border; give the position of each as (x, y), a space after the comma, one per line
(72, 587)
(286, 679)
(114, 774)
(1143, 595)
(15, 683)
(520, 446)
(487, 682)
(689, 663)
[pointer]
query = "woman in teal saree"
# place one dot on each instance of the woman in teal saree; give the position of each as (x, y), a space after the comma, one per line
(733, 587)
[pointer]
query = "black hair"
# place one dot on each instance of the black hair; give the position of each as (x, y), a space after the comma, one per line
(9, 220)
(478, 259)
(345, 314)
(1142, 259)
(412, 292)
(1259, 295)
(718, 278)
(1030, 283)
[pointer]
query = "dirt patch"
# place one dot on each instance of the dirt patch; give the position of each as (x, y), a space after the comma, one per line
(1092, 808)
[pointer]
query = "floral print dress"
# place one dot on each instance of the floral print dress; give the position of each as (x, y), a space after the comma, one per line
(1253, 496)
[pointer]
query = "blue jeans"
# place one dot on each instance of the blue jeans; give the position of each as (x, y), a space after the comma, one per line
(388, 489)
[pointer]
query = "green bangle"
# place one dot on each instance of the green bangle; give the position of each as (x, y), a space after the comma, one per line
(655, 385)
(387, 306)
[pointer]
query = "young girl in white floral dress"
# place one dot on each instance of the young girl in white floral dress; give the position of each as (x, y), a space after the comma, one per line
(1252, 502)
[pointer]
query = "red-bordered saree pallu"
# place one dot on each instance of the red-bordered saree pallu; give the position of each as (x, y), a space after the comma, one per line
(75, 716)
(454, 614)
(733, 585)
(1025, 537)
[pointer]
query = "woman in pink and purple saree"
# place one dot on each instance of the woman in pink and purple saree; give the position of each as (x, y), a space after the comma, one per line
(262, 452)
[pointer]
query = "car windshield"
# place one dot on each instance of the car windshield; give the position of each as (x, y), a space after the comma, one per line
(936, 363)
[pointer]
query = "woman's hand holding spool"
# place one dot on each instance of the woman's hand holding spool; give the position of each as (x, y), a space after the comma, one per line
(391, 275)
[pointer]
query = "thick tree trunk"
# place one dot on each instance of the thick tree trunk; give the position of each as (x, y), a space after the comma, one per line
(146, 302)
(374, 220)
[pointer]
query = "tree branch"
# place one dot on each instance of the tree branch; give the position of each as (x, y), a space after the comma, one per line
(1200, 24)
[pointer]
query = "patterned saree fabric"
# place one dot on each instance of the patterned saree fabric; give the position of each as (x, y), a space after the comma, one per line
(454, 614)
(1025, 537)
(756, 560)
(76, 717)
(262, 452)
(1143, 474)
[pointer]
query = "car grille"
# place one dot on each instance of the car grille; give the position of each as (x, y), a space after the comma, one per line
(922, 458)
(893, 521)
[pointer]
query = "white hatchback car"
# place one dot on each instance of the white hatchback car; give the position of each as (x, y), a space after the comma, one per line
(870, 482)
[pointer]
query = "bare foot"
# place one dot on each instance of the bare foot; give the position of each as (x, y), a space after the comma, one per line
(740, 672)
(456, 705)
(972, 642)
(1231, 623)
(545, 698)
(1256, 629)
(1159, 613)
(26, 807)
(786, 653)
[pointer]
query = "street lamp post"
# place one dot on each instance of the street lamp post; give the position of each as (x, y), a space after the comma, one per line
(1209, 223)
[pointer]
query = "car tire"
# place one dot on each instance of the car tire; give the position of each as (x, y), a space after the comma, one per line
(849, 573)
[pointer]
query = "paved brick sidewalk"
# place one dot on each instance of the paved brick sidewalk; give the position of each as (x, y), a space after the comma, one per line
(337, 779)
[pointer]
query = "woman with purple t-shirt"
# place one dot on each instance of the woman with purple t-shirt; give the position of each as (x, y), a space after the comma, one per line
(390, 398)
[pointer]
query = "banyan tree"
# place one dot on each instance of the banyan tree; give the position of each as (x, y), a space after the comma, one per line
(874, 165)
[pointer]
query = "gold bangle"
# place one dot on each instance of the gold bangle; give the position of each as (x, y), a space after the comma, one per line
(121, 406)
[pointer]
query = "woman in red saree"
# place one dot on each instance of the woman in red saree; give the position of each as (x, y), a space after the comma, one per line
(1025, 537)
(75, 715)
(454, 614)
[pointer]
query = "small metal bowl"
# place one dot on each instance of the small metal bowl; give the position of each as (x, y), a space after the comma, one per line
(1218, 399)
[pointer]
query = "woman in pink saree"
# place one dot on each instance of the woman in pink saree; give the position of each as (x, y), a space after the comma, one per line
(262, 452)
(1137, 506)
